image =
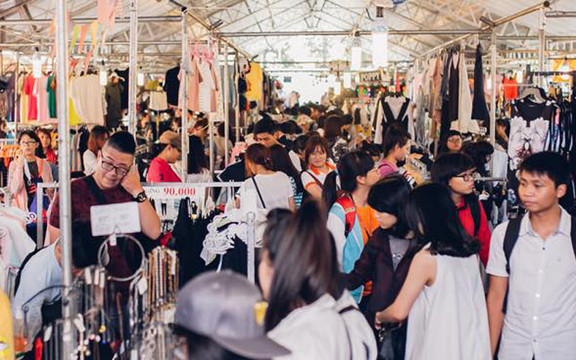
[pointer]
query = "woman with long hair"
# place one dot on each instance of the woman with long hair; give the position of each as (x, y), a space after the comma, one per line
(96, 140)
(198, 166)
(45, 137)
(443, 293)
(387, 255)
(27, 171)
(456, 170)
(309, 312)
(351, 220)
(281, 162)
(273, 188)
(317, 165)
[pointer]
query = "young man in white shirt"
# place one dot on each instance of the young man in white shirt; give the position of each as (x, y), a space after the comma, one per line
(532, 296)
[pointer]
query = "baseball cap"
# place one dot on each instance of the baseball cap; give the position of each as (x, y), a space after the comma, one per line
(171, 138)
(228, 309)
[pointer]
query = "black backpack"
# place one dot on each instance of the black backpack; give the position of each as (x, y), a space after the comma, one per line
(511, 237)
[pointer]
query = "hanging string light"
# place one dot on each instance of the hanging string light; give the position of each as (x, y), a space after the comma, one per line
(347, 80)
(356, 53)
(103, 74)
(37, 65)
(379, 40)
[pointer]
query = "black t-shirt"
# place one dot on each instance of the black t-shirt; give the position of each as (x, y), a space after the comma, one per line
(235, 172)
(172, 85)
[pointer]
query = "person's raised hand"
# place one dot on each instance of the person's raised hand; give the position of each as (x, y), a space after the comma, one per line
(131, 182)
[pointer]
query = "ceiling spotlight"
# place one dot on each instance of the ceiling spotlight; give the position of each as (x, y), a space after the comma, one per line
(487, 21)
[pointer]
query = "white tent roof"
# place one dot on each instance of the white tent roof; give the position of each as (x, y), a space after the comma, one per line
(298, 15)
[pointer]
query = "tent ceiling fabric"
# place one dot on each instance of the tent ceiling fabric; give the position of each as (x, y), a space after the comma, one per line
(239, 16)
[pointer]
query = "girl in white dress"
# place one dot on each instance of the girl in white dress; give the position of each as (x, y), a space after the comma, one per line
(443, 296)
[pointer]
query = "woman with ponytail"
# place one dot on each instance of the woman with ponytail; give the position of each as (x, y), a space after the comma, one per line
(273, 188)
(351, 220)
(309, 311)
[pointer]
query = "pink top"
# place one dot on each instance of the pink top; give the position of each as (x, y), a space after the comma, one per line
(386, 168)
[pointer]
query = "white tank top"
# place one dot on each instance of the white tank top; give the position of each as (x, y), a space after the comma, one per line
(449, 320)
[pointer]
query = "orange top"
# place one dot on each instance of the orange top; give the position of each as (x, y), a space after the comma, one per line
(368, 224)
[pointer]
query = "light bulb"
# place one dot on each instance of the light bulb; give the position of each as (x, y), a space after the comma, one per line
(520, 76)
(337, 88)
(347, 80)
(140, 79)
(379, 49)
(103, 76)
(37, 65)
(356, 58)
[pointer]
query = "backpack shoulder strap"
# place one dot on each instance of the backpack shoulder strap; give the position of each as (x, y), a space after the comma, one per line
(510, 239)
(349, 212)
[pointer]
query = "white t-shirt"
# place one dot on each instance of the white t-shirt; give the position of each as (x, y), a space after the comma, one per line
(275, 190)
(90, 162)
(308, 176)
(203, 177)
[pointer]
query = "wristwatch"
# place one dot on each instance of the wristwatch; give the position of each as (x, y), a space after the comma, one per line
(141, 197)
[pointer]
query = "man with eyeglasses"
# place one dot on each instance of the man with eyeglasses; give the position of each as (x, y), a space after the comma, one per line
(115, 181)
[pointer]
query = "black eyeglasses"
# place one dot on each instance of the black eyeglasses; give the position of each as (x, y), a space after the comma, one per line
(120, 171)
(468, 177)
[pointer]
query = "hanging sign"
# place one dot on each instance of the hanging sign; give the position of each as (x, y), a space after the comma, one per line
(121, 218)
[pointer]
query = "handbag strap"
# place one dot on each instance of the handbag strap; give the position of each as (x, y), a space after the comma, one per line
(258, 190)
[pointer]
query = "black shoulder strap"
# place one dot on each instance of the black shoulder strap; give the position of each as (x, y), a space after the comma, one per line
(95, 190)
(510, 238)
(258, 190)
(21, 268)
(316, 180)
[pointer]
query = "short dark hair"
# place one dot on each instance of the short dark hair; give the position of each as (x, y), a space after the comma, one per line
(264, 126)
(389, 195)
(548, 163)
(201, 123)
(430, 212)
(479, 151)
(289, 127)
(305, 110)
(333, 127)
(395, 135)
(259, 154)
(97, 132)
(123, 142)
(450, 165)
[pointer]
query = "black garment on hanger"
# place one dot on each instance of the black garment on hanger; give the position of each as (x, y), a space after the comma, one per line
(189, 236)
(454, 87)
(479, 107)
(172, 85)
(124, 74)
